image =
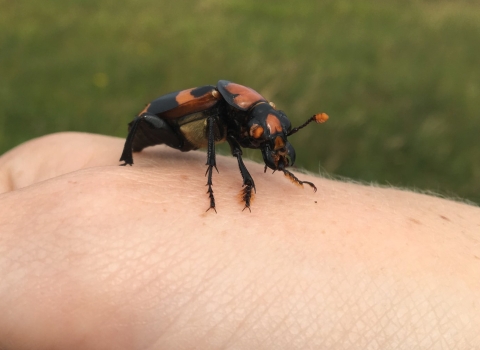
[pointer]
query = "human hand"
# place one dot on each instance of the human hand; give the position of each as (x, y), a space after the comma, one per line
(97, 256)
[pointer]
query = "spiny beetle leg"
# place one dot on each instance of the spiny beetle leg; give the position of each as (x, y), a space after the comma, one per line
(237, 152)
(210, 190)
(295, 180)
(211, 162)
(248, 183)
(247, 196)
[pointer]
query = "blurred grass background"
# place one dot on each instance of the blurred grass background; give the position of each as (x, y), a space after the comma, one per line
(400, 79)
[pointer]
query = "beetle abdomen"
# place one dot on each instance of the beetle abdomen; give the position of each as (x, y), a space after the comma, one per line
(194, 128)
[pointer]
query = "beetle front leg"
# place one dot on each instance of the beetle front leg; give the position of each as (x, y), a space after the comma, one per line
(211, 162)
(296, 181)
(248, 184)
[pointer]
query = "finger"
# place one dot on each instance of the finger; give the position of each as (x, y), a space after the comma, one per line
(54, 155)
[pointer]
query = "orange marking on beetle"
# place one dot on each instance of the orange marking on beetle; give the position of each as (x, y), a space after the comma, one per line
(187, 103)
(256, 131)
(321, 117)
(246, 96)
(279, 143)
(273, 124)
(184, 96)
(145, 109)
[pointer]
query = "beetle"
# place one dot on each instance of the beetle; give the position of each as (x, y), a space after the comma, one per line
(203, 116)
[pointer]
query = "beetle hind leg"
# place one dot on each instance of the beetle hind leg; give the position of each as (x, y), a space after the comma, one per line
(127, 156)
(147, 130)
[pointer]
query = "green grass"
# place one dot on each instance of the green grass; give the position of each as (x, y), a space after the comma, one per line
(400, 79)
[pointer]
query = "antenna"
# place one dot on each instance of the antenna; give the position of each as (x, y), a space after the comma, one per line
(318, 118)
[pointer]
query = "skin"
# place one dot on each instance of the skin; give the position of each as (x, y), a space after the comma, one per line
(97, 256)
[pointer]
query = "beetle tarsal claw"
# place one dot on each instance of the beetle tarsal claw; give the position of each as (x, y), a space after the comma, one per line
(211, 208)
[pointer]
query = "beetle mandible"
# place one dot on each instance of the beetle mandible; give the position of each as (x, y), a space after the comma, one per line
(200, 117)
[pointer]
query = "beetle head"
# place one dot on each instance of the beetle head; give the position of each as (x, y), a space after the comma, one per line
(268, 129)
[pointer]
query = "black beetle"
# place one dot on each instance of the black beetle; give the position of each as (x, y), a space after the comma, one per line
(202, 116)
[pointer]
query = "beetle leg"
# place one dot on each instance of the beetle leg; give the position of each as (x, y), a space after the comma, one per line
(211, 162)
(127, 149)
(248, 184)
(147, 130)
(295, 180)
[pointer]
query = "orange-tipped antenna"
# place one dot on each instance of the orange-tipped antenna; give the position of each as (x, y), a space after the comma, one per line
(321, 117)
(318, 118)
